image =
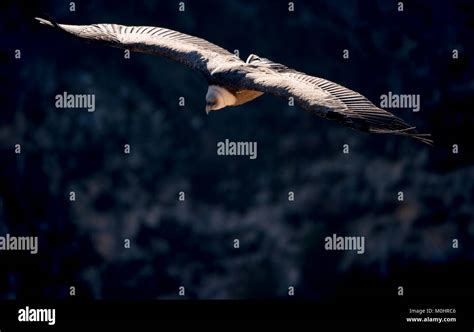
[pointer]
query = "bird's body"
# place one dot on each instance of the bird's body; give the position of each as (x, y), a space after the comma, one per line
(233, 82)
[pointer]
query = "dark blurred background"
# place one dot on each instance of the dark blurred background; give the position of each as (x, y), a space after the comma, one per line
(173, 149)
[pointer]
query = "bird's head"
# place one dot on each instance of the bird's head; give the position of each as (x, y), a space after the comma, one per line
(218, 97)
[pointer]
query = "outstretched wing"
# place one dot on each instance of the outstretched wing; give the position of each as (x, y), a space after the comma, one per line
(325, 98)
(191, 51)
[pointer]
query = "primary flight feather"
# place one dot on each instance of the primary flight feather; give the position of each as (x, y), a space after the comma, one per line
(234, 82)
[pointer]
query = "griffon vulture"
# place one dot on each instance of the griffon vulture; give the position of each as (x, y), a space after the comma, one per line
(234, 82)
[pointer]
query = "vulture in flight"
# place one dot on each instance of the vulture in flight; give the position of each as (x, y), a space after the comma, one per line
(234, 82)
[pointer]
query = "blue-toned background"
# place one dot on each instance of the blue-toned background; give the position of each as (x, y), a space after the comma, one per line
(173, 149)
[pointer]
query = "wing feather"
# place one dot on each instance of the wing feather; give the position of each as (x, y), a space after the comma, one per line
(327, 99)
(191, 51)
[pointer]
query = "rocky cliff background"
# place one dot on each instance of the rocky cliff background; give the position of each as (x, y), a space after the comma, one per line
(173, 149)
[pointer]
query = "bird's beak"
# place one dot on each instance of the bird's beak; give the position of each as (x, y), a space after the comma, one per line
(208, 109)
